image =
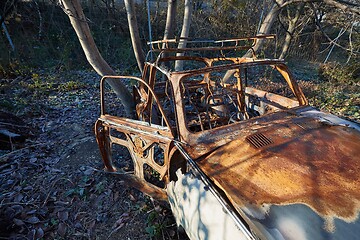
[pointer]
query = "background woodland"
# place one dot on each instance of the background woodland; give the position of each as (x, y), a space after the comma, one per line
(51, 183)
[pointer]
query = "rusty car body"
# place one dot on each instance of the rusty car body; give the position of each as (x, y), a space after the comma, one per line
(250, 144)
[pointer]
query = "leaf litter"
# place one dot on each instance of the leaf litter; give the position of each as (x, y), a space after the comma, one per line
(50, 185)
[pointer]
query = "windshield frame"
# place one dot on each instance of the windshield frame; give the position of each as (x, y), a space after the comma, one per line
(177, 78)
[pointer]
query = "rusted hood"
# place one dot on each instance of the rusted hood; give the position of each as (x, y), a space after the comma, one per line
(306, 164)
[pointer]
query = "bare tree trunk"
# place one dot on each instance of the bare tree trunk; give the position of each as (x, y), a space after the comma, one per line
(170, 25)
(265, 28)
(290, 30)
(170, 19)
(77, 18)
(134, 33)
(279, 4)
(267, 24)
(184, 32)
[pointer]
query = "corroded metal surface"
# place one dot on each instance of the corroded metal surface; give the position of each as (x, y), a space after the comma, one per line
(144, 133)
(141, 138)
(317, 166)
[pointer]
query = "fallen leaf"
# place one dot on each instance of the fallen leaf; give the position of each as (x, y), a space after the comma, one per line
(88, 171)
(33, 220)
(43, 211)
(17, 188)
(62, 229)
(10, 182)
(78, 216)
(171, 233)
(31, 234)
(158, 208)
(55, 170)
(124, 218)
(31, 212)
(61, 203)
(17, 209)
(59, 209)
(63, 215)
(132, 198)
(18, 198)
(79, 234)
(120, 226)
(18, 222)
(92, 224)
(81, 191)
(78, 225)
(39, 233)
(9, 212)
(28, 188)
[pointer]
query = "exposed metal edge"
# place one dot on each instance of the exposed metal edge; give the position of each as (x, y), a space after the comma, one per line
(329, 118)
(110, 123)
(216, 193)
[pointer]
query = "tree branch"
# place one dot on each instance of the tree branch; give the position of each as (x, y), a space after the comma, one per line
(78, 21)
(344, 5)
(7, 11)
(340, 4)
(331, 41)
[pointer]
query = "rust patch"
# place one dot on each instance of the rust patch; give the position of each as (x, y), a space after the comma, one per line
(316, 167)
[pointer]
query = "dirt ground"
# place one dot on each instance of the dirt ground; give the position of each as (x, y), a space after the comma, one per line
(52, 186)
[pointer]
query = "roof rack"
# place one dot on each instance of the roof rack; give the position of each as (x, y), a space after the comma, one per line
(171, 45)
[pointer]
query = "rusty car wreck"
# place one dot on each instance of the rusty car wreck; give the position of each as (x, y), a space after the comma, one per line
(233, 145)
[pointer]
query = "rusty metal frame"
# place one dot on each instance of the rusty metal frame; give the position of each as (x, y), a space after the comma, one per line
(141, 138)
(102, 102)
(164, 46)
(177, 77)
(214, 151)
(164, 136)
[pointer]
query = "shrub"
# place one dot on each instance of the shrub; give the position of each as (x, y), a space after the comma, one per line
(337, 73)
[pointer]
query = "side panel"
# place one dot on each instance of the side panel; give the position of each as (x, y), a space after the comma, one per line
(198, 211)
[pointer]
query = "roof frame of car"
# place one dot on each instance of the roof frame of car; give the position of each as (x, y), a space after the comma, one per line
(247, 63)
(171, 45)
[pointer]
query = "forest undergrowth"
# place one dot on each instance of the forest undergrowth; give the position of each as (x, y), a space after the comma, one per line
(52, 185)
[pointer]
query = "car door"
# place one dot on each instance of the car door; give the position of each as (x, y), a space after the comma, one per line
(147, 137)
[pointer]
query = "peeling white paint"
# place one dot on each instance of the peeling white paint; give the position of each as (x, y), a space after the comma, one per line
(198, 211)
